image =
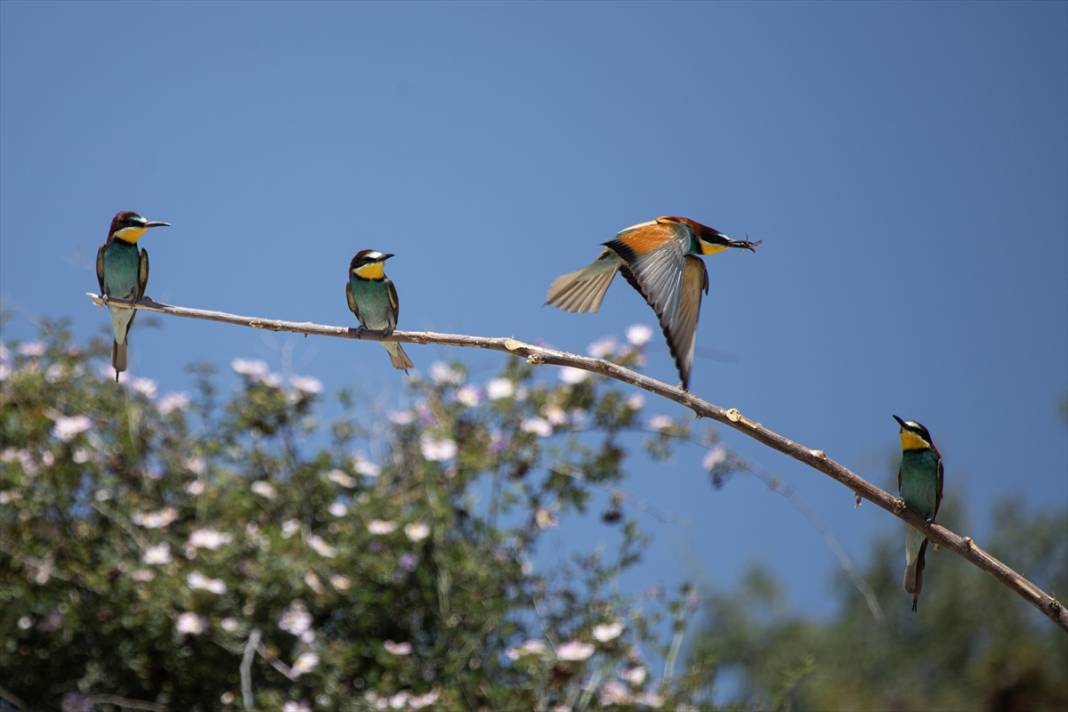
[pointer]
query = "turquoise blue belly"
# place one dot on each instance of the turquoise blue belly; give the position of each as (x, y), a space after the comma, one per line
(122, 262)
(919, 481)
(373, 303)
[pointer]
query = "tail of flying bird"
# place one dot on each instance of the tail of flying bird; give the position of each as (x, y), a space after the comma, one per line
(397, 357)
(583, 291)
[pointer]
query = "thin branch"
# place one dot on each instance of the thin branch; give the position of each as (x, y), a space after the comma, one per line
(963, 546)
(247, 697)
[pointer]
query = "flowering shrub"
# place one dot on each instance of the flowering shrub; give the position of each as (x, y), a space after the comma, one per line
(206, 550)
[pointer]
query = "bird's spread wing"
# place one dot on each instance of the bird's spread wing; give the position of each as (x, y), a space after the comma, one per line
(657, 266)
(351, 298)
(394, 303)
(100, 266)
(683, 337)
(583, 290)
(142, 273)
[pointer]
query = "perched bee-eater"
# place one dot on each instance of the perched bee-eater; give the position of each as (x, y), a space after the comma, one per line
(373, 299)
(123, 273)
(661, 259)
(919, 480)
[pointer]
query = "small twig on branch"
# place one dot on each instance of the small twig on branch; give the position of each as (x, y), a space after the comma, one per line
(964, 547)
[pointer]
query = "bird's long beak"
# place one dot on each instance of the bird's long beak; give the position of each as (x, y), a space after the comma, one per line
(156, 223)
(386, 256)
(900, 422)
(743, 244)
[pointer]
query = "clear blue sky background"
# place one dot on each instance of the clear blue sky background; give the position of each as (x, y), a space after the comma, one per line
(905, 164)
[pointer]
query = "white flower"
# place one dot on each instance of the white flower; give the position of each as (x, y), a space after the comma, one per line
(614, 692)
(31, 348)
(208, 539)
(715, 456)
(80, 455)
(191, 624)
(574, 651)
(145, 386)
(9, 496)
(197, 465)
(142, 575)
(55, 372)
(538, 426)
(399, 700)
(381, 526)
(634, 676)
(172, 402)
(650, 699)
(418, 702)
(295, 619)
(340, 477)
(264, 489)
(402, 417)
(554, 414)
(365, 467)
(416, 531)
(639, 334)
(341, 583)
(199, 582)
(272, 379)
(397, 648)
(196, 487)
(661, 423)
(572, 375)
(602, 347)
(607, 631)
(530, 647)
(500, 388)
(229, 624)
(25, 622)
(252, 368)
(337, 509)
(305, 662)
(468, 396)
(437, 449)
(158, 554)
(443, 373)
(321, 547)
(297, 705)
(636, 401)
(307, 384)
(289, 528)
(313, 582)
(155, 520)
(545, 519)
(67, 428)
(5, 371)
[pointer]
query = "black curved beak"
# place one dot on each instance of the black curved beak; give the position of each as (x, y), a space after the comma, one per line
(900, 422)
(386, 256)
(156, 223)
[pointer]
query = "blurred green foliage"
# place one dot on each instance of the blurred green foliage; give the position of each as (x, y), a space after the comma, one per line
(381, 560)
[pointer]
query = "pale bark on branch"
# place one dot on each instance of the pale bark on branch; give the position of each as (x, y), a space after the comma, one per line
(963, 546)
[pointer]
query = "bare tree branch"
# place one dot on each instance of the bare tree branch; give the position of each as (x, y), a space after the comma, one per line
(963, 546)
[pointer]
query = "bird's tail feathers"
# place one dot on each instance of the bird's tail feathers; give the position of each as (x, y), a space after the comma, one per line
(397, 357)
(118, 357)
(914, 574)
(583, 290)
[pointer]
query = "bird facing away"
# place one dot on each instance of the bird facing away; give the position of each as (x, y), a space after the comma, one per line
(662, 260)
(123, 273)
(919, 481)
(373, 299)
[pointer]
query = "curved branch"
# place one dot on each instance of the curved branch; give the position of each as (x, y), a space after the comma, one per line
(963, 546)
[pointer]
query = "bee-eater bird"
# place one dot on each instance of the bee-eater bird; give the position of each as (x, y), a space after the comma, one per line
(123, 273)
(373, 299)
(661, 259)
(919, 480)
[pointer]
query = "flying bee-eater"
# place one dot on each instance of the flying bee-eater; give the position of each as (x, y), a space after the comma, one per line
(662, 260)
(919, 480)
(123, 273)
(373, 299)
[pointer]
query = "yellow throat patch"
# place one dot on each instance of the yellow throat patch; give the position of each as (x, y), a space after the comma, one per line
(912, 441)
(374, 270)
(131, 234)
(707, 248)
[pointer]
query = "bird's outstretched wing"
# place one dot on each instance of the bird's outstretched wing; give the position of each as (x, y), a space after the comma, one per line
(583, 290)
(100, 267)
(658, 267)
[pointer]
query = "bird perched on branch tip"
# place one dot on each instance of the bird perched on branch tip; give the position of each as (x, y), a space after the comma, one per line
(373, 299)
(919, 480)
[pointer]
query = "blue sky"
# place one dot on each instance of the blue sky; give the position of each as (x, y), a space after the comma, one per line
(905, 164)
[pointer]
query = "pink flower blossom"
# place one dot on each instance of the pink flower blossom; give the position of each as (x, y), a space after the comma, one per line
(67, 428)
(394, 648)
(191, 624)
(574, 651)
